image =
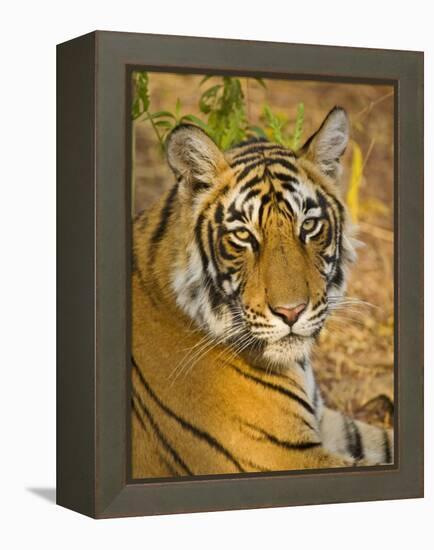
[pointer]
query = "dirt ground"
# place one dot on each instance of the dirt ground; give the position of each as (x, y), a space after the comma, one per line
(354, 359)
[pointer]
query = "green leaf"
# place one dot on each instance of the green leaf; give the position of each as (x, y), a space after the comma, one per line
(225, 110)
(136, 110)
(235, 130)
(162, 114)
(298, 128)
(164, 124)
(275, 125)
(141, 94)
(195, 120)
(208, 98)
(178, 109)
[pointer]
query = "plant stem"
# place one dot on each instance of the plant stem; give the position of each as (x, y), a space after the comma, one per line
(248, 100)
(371, 105)
(155, 130)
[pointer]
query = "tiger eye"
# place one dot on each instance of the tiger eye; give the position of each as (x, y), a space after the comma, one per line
(241, 234)
(309, 224)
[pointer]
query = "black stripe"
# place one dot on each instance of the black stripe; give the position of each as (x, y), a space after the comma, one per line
(252, 193)
(279, 150)
(386, 447)
(247, 169)
(160, 230)
(326, 257)
(169, 466)
(318, 314)
(277, 161)
(142, 220)
(300, 446)
(163, 459)
(305, 422)
(235, 215)
(275, 387)
(161, 437)
(308, 424)
(279, 376)
(288, 186)
(259, 325)
(254, 180)
(198, 236)
(267, 147)
(288, 181)
(326, 208)
(279, 197)
(252, 147)
(198, 186)
(244, 159)
(302, 364)
(214, 296)
(211, 246)
(250, 151)
(200, 434)
(329, 237)
(164, 217)
(224, 253)
(218, 213)
(256, 466)
(216, 299)
(259, 147)
(338, 277)
(309, 203)
(264, 201)
(354, 439)
(254, 244)
(250, 141)
(358, 452)
(144, 286)
(138, 416)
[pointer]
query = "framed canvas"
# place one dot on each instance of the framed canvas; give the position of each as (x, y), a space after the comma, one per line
(240, 274)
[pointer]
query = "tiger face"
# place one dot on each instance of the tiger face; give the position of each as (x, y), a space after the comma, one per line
(268, 240)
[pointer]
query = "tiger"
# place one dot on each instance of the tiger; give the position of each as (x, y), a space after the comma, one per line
(235, 271)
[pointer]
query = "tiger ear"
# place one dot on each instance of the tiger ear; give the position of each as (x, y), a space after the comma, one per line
(326, 146)
(193, 157)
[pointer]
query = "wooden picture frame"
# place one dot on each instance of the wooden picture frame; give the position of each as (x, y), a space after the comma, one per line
(94, 274)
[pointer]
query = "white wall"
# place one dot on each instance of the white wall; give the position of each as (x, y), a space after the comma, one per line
(29, 32)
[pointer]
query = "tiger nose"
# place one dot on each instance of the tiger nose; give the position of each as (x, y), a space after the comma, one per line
(289, 314)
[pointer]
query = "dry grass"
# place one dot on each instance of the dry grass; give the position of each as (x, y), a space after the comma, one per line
(354, 359)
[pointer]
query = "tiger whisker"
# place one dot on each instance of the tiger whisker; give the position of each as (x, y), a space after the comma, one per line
(197, 359)
(190, 360)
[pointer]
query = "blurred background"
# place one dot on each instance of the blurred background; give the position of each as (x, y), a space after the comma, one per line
(354, 359)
